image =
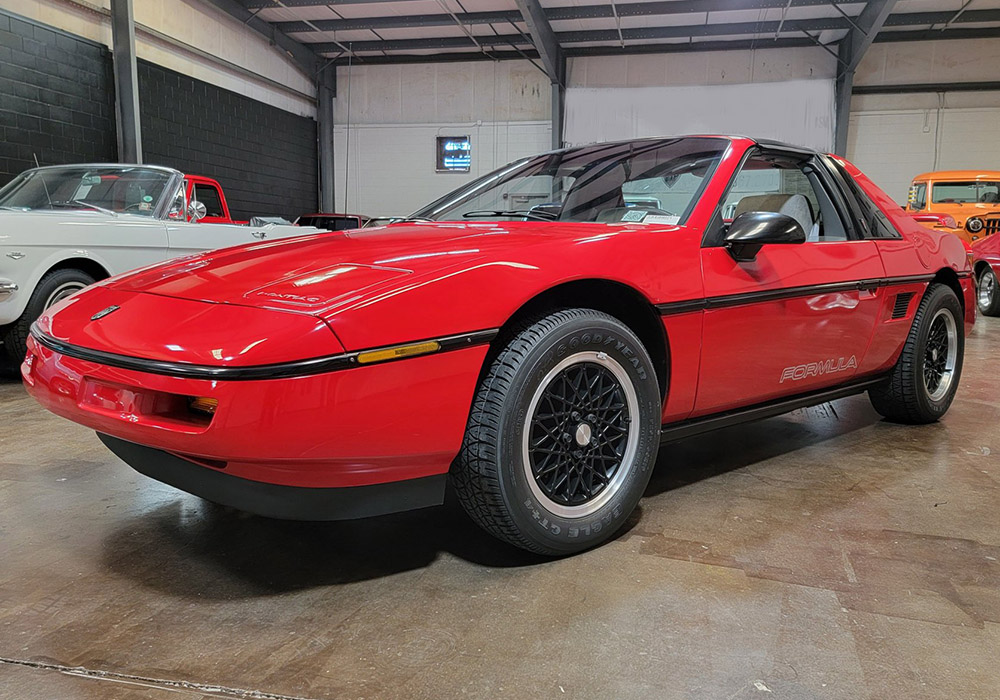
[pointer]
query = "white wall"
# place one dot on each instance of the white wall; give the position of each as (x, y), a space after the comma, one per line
(785, 94)
(762, 110)
(392, 165)
(196, 24)
(396, 113)
(894, 137)
(702, 68)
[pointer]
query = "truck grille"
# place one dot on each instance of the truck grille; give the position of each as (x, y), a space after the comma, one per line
(991, 226)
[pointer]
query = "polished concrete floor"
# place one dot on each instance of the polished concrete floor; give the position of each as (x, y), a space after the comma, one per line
(823, 554)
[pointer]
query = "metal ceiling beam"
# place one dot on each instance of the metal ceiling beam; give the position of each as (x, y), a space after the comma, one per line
(586, 12)
(686, 31)
(938, 34)
(667, 7)
(550, 53)
(616, 50)
(868, 24)
(852, 49)
(303, 56)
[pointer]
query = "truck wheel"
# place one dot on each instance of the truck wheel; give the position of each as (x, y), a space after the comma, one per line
(563, 434)
(987, 293)
(921, 386)
(53, 287)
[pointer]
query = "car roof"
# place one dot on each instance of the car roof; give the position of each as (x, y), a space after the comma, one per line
(960, 175)
(769, 143)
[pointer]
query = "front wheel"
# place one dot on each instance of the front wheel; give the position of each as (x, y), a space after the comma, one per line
(987, 293)
(52, 288)
(923, 382)
(563, 434)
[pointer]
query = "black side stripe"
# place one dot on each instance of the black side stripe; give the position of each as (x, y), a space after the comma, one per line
(727, 300)
(282, 370)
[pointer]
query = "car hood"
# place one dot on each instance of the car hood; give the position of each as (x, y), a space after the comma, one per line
(321, 273)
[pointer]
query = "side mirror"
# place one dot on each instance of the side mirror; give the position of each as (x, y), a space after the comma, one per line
(751, 230)
(196, 211)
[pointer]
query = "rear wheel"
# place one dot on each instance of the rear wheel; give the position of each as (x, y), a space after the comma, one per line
(923, 383)
(52, 288)
(987, 293)
(563, 434)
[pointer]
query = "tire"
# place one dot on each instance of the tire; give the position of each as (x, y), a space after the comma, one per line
(593, 479)
(923, 382)
(53, 287)
(988, 293)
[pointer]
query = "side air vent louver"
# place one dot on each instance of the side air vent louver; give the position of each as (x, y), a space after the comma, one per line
(901, 305)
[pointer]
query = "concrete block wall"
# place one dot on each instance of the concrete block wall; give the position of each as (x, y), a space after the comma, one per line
(56, 98)
(264, 157)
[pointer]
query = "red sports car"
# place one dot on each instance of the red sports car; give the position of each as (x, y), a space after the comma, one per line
(534, 335)
(986, 254)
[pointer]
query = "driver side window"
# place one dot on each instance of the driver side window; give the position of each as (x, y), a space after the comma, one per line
(782, 185)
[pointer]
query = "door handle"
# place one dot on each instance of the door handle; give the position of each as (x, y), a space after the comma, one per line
(259, 234)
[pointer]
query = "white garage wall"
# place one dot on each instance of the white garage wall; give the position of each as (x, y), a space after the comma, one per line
(893, 137)
(392, 165)
(893, 146)
(786, 94)
(762, 110)
(396, 113)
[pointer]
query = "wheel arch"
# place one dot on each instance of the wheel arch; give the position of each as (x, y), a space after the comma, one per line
(949, 278)
(980, 267)
(88, 265)
(627, 304)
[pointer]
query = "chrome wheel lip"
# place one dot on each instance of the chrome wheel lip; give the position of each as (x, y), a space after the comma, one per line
(628, 456)
(62, 291)
(947, 375)
(986, 288)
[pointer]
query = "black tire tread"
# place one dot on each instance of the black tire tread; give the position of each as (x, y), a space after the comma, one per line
(994, 307)
(474, 474)
(897, 398)
(16, 334)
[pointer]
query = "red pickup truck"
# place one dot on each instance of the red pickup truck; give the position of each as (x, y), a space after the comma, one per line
(209, 192)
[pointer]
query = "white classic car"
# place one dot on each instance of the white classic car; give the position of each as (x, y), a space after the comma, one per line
(63, 227)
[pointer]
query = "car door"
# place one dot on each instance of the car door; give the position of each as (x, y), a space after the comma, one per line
(208, 195)
(187, 237)
(798, 317)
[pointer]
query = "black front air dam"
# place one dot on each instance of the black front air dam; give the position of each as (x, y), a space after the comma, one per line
(277, 500)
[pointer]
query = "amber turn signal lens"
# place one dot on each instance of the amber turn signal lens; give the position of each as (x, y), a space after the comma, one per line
(203, 404)
(398, 353)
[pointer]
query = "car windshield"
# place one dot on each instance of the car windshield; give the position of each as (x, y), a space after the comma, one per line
(966, 192)
(131, 189)
(652, 181)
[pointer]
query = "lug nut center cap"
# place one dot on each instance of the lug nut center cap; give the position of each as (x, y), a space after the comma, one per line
(583, 434)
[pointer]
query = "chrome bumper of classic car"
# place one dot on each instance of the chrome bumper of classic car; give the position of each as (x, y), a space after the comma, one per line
(7, 288)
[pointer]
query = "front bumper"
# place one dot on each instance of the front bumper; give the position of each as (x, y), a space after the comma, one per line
(345, 430)
(275, 500)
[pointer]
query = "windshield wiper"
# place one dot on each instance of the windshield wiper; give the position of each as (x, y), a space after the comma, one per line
(81, 203)
(537, 215)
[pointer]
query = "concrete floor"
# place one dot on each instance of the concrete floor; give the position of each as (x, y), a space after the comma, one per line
(824, 554)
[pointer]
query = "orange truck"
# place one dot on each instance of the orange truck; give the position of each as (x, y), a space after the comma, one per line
(965, 202)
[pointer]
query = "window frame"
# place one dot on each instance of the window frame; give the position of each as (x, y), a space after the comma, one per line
(809, 163)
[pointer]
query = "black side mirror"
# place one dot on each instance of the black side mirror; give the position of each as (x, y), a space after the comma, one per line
(751, 230)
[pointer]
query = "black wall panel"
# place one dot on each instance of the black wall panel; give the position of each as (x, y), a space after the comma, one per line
(56, 98)
(264, 157)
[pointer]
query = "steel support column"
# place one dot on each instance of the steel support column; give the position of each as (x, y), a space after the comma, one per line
(842, 100)
(558, 108)
(552, 58)
(126, 82)
(852, 49)
(326, 93)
